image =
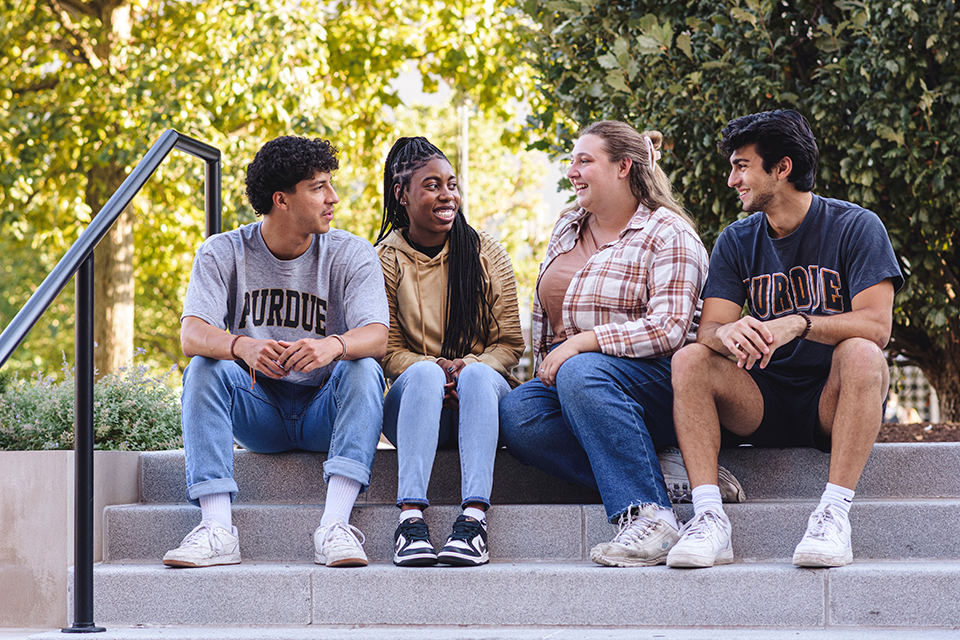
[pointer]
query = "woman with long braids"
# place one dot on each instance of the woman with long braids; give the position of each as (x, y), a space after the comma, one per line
(617, 295)
(454, 337)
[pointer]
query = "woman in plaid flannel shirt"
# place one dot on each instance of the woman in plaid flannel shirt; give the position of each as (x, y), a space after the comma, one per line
(618, 293)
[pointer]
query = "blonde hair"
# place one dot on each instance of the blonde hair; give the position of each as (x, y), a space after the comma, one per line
(648, 183)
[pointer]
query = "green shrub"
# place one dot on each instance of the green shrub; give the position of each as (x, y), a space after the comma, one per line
(132, 410)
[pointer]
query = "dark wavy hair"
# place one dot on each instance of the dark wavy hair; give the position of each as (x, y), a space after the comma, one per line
(467, 309)
(282, 163)
(777, 134)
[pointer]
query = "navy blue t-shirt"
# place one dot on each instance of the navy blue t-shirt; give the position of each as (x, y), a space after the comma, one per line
(838, 250)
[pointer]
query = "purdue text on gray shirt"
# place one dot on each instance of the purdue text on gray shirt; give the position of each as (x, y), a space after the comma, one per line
(238, 285)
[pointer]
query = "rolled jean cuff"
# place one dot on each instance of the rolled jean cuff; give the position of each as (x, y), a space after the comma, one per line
(347, 468)
(473, 500)
(423, 504)
(207, 487)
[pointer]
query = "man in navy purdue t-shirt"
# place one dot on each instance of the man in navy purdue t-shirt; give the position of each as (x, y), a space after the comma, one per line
(284, 320)
(805, 367)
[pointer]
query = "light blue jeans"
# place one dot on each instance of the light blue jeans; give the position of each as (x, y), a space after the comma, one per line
(600, 427)
(415, 422)
(219, 407)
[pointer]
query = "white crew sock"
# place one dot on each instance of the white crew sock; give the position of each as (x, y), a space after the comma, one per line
(406, 514)
(706, 496)
(840, 498)
(477, 514)
(668, 516)
(341, 494)
(216, 506)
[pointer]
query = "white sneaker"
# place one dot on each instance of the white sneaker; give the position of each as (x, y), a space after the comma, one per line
(678, 484)
(827, 540)
(209, 544)
(642, 541)
(336, 545)
(704, 542)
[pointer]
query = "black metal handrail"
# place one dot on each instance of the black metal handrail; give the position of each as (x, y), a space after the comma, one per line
(79, 260)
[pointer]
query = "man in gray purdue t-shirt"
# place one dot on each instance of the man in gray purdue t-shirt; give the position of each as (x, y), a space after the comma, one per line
(284, 321)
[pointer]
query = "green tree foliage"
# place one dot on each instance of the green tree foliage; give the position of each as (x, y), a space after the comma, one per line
(880, 83)
(86, 86)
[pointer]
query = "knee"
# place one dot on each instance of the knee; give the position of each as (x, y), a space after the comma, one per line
(203, 371)
(579, 369)
(425, 372)
(478, 373)
(861, 360)
(687, 366)
(365, 372)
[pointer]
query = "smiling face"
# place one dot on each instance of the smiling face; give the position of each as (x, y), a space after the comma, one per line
(755, 187)
(432, 200)
(596, 179)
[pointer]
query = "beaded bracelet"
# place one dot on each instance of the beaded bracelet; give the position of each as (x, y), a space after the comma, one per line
(809, 324)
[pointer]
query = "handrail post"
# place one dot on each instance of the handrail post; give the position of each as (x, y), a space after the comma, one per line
(83, 455)
(212, 197)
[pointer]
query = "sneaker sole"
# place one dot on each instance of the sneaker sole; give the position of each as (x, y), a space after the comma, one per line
(419, 560)
(211, 562)
(693, 561)
(343, 562)
(461, 561)
(820, 560)
(611, 561)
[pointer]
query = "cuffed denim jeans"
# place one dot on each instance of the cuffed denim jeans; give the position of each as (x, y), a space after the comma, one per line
(416, 423)
(600, 427)
(343, 417)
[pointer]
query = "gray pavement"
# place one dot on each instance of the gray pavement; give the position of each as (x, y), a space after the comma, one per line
(499, 633)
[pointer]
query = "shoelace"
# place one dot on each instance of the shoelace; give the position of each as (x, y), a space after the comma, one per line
(416, 531)
(702, 526)
(342, 533)
(634, 527)
(465, 529)
(198, 538)
(822, 520)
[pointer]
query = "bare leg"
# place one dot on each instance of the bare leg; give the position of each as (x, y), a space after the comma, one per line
(710, 389)
(851, 407)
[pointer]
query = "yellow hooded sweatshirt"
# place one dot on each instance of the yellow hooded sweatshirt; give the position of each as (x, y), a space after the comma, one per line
(417, 296)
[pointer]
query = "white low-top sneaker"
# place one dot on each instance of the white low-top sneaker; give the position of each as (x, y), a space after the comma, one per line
(209, 544)
(642, 541)
(704, 542)
(827, 540)
(337, 545)
(678, 484)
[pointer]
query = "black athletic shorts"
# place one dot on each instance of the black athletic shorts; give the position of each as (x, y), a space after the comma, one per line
(791, 402)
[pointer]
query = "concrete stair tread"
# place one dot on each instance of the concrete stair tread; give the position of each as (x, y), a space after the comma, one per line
(894, 529)
(486, 632)
(893, 471)
(744, 594)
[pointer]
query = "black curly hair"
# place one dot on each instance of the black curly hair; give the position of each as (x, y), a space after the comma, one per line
(282, 163)
(777, 135)
(468, 309)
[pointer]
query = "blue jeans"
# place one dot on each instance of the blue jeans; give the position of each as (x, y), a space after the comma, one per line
(416, 423)
(599, 427)
(219, 407)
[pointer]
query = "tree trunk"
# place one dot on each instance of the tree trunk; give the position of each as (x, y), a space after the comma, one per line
(113, 276)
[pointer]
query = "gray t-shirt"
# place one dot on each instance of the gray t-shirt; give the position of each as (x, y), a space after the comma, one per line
(238, 285)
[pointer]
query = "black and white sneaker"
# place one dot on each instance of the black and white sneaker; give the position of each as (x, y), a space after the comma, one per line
(412, 547)
(467, 545)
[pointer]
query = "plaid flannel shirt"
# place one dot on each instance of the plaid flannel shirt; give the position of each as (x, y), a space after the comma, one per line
(639, 294)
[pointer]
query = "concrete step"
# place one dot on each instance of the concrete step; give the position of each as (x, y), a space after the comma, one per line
(774, 595)
(882, 529)
(922, 470)
(486, 632)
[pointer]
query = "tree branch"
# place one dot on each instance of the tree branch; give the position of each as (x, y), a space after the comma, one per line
(40, 86)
